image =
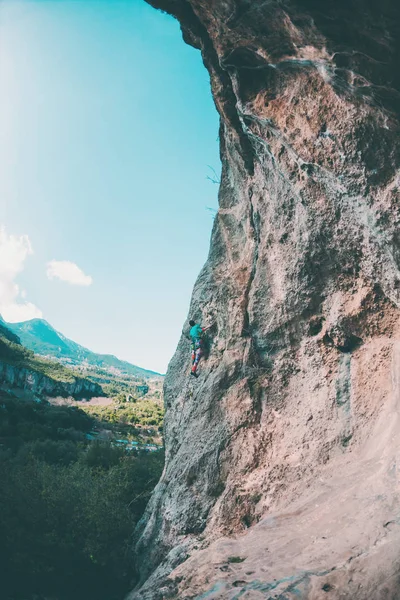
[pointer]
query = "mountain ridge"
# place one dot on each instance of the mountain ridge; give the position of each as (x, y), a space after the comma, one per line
(22, 370)
(42, 338)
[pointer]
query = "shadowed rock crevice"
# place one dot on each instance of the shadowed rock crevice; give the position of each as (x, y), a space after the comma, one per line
(284, 451)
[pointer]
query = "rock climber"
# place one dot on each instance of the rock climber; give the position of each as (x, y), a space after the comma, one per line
(196, 335)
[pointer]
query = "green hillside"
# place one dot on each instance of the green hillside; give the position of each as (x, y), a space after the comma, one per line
(7, 334)
(60, 379)
(40, 337)
(13, 353)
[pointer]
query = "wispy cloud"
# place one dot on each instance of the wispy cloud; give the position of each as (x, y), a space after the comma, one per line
(14, 250)
(67, 271)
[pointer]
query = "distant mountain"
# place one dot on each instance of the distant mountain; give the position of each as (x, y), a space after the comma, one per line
(23, 371)
(43, 339)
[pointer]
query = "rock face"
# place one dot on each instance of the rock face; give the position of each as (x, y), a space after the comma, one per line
(12, 377)
(282, 459)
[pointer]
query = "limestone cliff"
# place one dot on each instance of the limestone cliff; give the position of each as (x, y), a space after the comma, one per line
(24, 378)
(282, 459)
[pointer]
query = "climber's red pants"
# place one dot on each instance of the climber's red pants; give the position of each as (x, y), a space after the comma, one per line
(197, 353)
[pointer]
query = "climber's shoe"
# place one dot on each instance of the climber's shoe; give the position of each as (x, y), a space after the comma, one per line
(194, 374)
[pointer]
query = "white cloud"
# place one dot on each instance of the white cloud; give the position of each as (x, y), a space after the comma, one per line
(14, 250)
(16, 313)
(67, 271)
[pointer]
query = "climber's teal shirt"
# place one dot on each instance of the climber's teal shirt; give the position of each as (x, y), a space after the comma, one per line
(196, 332)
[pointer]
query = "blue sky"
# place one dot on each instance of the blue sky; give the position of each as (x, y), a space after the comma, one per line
(108, 126)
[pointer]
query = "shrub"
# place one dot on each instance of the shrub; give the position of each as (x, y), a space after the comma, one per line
(68, 508)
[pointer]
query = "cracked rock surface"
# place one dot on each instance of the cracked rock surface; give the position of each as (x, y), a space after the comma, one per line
(282, 459)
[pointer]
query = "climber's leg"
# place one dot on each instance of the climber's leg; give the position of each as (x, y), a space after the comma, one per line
(198, 355)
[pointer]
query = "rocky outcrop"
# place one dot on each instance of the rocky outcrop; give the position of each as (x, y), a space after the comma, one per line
(281, 476)
(22, 378)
